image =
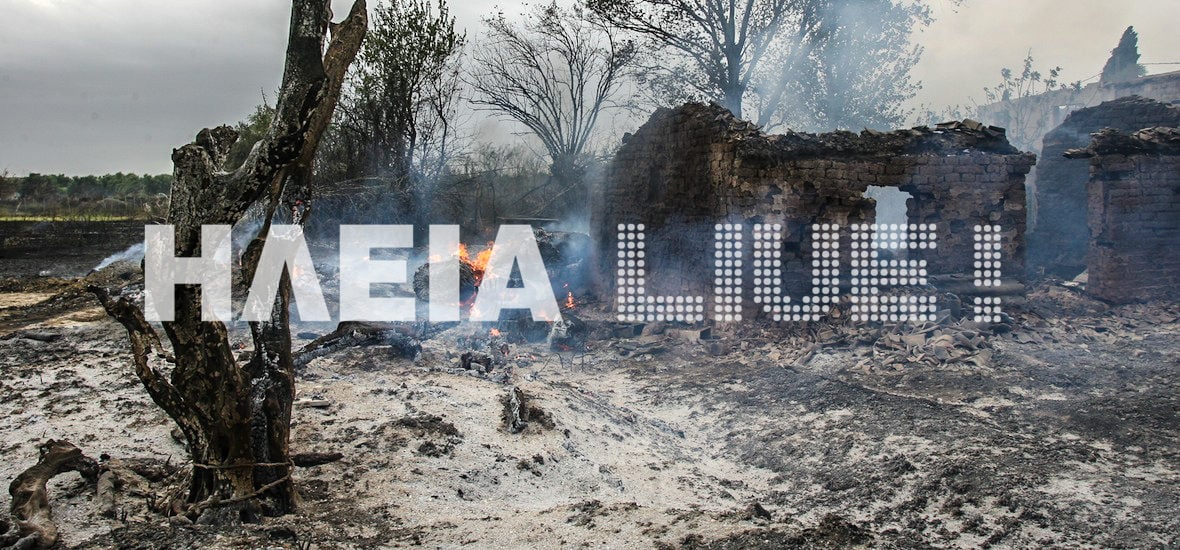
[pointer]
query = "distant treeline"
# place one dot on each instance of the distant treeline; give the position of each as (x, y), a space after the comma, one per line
(110, 196)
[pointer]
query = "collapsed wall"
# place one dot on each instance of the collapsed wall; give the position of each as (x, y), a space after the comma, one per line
(1059, 237)
(1134, 214)
(695, 166)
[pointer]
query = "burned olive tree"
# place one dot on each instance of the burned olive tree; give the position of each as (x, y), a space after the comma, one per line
(236, 416)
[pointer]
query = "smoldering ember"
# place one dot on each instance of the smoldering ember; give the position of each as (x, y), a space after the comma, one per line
(664, 274)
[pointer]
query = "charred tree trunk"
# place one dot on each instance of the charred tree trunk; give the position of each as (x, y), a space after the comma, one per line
(237, 417)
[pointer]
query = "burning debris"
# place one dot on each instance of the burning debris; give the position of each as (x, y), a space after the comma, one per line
(468, 280)
(564, 254)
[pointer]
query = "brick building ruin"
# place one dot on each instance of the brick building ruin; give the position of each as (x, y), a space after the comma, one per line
(1059, 236)
(1050, 109)
(1133, 196)
(695, 166)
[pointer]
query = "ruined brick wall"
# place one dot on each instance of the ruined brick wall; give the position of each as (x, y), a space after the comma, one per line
(696, 166)
(1134, 215)
(1059, 237)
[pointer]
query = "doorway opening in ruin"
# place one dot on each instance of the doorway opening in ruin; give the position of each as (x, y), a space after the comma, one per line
(891, 208)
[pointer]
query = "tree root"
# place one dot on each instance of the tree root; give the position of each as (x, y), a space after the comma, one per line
(131, 476)
(33, 525)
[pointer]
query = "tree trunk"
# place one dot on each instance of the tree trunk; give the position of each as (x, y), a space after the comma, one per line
(237, 417)
(733, 101)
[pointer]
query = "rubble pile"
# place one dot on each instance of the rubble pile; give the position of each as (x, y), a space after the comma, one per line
(1158, 140)
(1060, 314)
(928, 345)
(947, 138)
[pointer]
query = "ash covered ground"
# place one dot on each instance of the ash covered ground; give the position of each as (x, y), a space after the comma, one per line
(1058, 428)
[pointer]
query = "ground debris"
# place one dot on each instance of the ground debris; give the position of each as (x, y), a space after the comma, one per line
(929, 345)
(403, 340)
(641, 346)
(423, 424)
(38, 335)
(134, 477)
(1045, 430)
(519, 413)
(308, 460)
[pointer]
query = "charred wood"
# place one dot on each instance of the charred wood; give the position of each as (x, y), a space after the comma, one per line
(33, 525)
(403, 340)
(236, 417)
(519, 412)
(308, 460)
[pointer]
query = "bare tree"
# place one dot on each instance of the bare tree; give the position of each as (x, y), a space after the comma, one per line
(724, 41)
(236, 416)
(554, 73)
(817, 63)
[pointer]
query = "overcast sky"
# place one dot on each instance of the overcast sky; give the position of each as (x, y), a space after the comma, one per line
(113, 85)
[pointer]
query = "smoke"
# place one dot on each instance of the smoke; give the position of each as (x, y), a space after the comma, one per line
(849, 68)
(133, 253)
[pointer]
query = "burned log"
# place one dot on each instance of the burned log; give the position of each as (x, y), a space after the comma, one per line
(309, 460)
(402, 338)
(127, 475)
(33, 518)
(468, 280)
(569, 333)
(38, 335)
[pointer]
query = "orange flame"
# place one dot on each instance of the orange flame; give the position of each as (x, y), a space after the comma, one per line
(494, 332)
(480, 263)
(481, 259)
(569, 300)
